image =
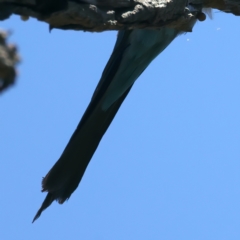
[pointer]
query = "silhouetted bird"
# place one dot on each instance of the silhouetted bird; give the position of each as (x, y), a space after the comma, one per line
(133, 52)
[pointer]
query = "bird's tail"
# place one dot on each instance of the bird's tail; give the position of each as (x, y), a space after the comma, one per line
(64, 177)
(133, 52)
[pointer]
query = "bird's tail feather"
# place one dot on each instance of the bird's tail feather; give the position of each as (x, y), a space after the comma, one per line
(65, 175)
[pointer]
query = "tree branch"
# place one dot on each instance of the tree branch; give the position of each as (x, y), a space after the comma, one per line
(101, 15)
(8, 60)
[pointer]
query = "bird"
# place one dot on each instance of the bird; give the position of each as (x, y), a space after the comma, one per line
(134, 50)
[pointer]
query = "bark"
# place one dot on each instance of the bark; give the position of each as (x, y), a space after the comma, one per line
(102, 15)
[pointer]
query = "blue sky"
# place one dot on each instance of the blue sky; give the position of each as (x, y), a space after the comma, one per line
(168, 166)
